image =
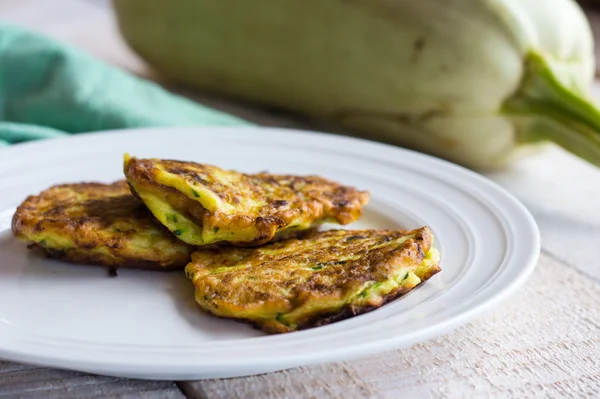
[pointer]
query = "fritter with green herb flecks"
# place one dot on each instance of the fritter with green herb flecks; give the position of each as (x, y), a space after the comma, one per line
(203, 204)
(100, 224)
(301, 283)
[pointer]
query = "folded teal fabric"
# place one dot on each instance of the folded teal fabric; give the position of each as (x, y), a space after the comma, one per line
(50, 89)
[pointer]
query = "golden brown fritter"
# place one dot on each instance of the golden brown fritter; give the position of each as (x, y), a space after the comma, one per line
(98, 223)
(204, 204)
(300, 283)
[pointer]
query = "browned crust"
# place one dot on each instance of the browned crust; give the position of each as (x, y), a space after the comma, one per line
(301, 195)
(351, 311)
(252, 288)
(84, 257)
(372, 265)
(347, 312)
(89, 221)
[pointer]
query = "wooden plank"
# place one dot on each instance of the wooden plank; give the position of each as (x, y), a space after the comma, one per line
(23, 381)
(324, 381)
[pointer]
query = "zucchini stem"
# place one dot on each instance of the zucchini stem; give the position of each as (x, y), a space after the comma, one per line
(545, 109)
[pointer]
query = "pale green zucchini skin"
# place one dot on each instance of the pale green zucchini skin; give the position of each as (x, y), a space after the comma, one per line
(473, 81)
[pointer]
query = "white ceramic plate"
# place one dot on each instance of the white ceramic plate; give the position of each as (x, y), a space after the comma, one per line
(146, 324)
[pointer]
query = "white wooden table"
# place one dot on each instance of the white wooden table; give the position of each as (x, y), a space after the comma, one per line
(543, 342)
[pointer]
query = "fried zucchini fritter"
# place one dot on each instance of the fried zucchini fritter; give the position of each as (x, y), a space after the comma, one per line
(301, 283)
(98, 223)
(203, 204)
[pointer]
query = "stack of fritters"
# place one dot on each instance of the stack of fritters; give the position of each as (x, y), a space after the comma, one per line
(256, 252)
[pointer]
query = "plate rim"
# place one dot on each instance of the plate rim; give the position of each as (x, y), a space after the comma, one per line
(440, 328)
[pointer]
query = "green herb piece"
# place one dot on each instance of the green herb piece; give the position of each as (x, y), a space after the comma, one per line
(352, 238)
(216, 230)
(406, 276)
(195, 193)
(280, 319)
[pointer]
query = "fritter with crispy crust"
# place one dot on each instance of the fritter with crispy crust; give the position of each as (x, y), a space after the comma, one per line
(203, 204)
(98, 223)
(301, 283)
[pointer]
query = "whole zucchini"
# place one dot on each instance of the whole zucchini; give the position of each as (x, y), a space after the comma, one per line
(472, 81)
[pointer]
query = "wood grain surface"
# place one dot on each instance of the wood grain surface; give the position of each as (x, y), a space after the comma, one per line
(28, 382)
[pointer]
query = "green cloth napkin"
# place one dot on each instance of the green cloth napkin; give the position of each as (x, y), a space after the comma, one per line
(50, 89)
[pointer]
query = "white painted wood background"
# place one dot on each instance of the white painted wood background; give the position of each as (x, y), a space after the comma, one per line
(544, 342)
